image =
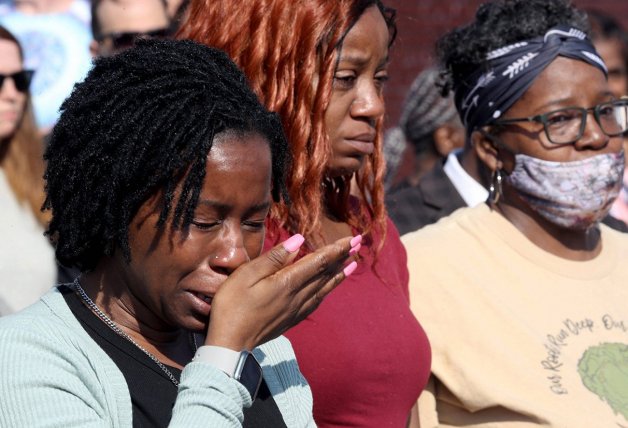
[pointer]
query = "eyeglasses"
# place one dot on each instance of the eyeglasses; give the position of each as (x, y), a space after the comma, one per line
(566, 125)
(125, 40)
(21, 79)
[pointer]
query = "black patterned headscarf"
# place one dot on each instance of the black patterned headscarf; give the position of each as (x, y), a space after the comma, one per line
(488, 93)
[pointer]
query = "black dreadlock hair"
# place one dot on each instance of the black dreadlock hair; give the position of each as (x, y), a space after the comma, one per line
(499, 23)
(142, 122)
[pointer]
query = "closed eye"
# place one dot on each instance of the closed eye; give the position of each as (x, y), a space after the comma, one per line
(254, 225)
(205, 225)
(344, 81)
(380, 80)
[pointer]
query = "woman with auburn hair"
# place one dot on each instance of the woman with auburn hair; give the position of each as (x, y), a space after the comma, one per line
(26, 258)
(322, 66)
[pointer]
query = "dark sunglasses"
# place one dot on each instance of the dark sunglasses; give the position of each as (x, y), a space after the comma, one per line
(125, 40)
(21, 79)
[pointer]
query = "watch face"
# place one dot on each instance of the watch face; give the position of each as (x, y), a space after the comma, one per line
(249, 373)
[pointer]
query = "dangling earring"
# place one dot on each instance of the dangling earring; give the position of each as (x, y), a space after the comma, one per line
(495, 189)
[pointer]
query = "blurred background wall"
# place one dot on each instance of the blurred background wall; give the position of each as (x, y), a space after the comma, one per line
(422, 22)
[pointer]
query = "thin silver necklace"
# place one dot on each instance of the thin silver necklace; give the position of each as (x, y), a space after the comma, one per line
(90, 303)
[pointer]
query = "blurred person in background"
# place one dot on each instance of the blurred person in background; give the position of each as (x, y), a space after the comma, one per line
(524, 297)
(27, 264)
(77, 8)
(611, 41)
(117, 24)
(176, 12)
(55, 36)
(429, 129)
(458, 181)
(322, 65)
(453, 177)
(174, 7)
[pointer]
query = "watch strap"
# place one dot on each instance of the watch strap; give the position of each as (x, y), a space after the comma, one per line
(241, 366)
(224, 359)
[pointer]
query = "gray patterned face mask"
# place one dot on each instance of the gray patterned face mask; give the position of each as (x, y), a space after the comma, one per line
(573, 195)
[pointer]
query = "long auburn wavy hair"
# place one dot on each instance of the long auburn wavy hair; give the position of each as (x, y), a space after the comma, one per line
(289, 50)
(21, 155)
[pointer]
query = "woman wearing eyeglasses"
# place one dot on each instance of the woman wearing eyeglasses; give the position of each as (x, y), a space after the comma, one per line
(26, 257)
(524, 298)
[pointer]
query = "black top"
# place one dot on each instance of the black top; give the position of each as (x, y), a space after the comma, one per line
(152, 393)
(412, 207)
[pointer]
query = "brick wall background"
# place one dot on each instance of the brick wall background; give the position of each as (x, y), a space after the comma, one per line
(421, 22)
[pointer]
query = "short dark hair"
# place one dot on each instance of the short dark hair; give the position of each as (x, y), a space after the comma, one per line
(143, 122)
(499, 23)
(96, 27)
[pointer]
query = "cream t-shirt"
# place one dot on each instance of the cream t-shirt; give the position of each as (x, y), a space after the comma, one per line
(27, 261)
(520, 337)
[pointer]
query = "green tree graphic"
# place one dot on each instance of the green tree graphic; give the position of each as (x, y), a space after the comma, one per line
(604, 371)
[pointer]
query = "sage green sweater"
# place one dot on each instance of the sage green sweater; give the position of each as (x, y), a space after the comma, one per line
(52, 374)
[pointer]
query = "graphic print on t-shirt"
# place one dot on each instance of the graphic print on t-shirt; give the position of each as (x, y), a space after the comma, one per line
(604, 371)
(588, 351)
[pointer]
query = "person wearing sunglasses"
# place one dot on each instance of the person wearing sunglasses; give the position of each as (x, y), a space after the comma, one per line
(118, 24)
(26, 258)
(524, 297)
(21, 79)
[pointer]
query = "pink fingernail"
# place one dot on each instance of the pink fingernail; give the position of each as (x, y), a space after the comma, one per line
(350, 268)
(293, 243)
(355, 249)
(355, 240)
